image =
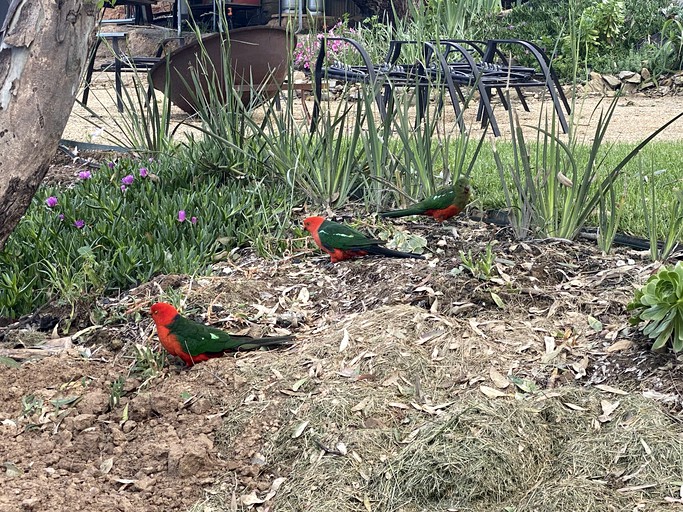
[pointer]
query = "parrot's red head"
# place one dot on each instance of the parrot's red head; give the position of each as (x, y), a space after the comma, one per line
(163, 313)
(311, 224)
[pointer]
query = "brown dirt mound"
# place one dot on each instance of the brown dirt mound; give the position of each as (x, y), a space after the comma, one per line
(410, 387)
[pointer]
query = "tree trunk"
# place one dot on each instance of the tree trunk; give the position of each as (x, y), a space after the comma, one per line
(43, 52)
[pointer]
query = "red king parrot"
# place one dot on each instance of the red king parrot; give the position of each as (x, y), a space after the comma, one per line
(444, 204)
(194, 342)
(342, 242)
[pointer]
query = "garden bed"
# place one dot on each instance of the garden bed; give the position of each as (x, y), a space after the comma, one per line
(412, 385)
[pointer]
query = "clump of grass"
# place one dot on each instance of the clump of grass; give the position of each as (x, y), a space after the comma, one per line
(484, 455)
(352, 430)
(552, 194)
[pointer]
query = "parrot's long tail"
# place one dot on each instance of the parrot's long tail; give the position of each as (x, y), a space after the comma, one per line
(402, 213)
(249, 343)
(381, 250)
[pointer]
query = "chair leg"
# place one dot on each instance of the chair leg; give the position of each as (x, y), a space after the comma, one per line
(88, 74)
(503, 99)
(389, 98)
(422, 99)
(117, 75)
(454, 91)
(485, 111)
(522, 100)
(552, 84)
(318, 83)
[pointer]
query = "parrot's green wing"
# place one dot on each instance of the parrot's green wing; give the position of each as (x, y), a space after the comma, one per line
(345, 238)
(440, 200)
(456, 194)
(198, 338)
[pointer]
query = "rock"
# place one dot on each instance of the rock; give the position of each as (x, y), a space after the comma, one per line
(355, 94)
(595, 83)
(678, 80)
(144, 40)
(189, 456)
(30, 503)
(162, 404)
(44, 447)
(625, 75)
(201, 406)
(129, 426)
(645, 73)
(634, 79)
(647, 84)
(131, 385)
(612, 81)
(117, 436)
(140, 407)
(64, 436)
(145, 483)
(83, 421)
(629, 88)
(93, 402)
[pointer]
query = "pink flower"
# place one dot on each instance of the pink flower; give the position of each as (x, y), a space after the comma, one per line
(193, 220)
(51, 202)
(181, 216)
(60, 216)
(128, 180)
(79, 223)
(84, 175)
(143, 172)
(123, 188)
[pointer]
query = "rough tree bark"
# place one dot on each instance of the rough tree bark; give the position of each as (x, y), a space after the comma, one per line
(43, 52)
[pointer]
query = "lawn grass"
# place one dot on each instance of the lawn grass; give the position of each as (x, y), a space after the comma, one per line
(664, 159)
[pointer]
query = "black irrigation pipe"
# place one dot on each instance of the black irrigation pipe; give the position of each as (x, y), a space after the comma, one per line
(500, 218)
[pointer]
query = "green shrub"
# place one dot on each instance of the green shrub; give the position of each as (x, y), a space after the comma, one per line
(128, 221)
(613, 35)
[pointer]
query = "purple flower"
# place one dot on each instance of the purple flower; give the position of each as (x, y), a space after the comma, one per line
(51, 202)
(60, 216)
(193, 220)
(111, 165)
(127, 180)
(79, 223)
(143, 172)
(84, 175)
(123, 188)
(181, 215)
(150, 160)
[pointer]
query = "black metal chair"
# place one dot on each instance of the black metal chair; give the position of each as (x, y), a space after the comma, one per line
(384, 77)
(493, 71)
(450, 65)
(122, 63)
